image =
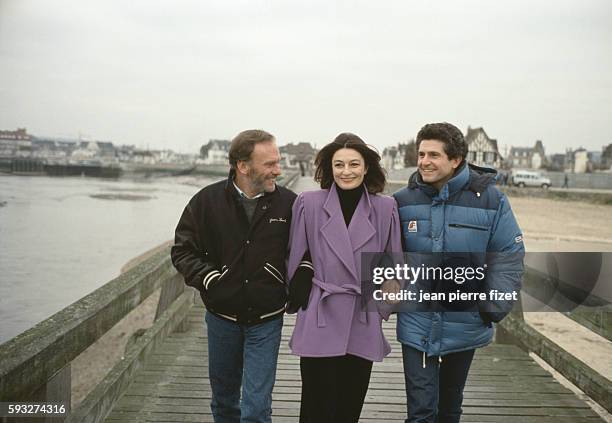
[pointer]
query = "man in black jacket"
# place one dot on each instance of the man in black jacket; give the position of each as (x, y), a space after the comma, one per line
(231, 245)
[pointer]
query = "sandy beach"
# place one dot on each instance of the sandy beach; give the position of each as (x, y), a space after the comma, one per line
(551, 226)
(557, 225)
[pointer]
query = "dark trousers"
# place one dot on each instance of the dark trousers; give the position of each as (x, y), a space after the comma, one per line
(434, 393)
(333, 388)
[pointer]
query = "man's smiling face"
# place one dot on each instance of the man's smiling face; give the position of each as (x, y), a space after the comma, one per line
(434, 165)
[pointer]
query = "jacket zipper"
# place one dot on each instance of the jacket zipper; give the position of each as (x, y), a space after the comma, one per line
(458, 225)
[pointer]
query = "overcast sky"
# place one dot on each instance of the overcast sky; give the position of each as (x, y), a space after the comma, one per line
(172, 74)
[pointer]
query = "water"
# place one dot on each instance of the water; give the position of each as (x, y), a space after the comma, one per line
(61, 238)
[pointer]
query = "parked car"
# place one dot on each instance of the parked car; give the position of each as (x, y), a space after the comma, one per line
(525, 178)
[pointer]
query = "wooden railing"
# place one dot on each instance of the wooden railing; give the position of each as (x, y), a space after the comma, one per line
(36, 365)
(514, 329)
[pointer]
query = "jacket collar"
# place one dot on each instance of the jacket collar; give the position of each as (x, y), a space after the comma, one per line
(243, 194)
(481, 177)
(467, 177)
(263, 202)
(338, 236)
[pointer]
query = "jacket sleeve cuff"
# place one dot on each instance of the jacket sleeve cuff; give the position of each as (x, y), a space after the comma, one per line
(306, 264)
(210, 277)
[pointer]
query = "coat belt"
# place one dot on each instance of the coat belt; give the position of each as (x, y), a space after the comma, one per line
(329, 289)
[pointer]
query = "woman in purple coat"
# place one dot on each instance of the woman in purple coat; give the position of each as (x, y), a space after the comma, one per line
(337, 340)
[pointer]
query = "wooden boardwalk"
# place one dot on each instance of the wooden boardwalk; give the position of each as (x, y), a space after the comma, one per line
(505, 385)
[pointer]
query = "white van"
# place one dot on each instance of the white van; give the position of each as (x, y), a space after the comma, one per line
(525, 178)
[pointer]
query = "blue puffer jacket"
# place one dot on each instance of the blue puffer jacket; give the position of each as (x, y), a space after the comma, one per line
(469, 214)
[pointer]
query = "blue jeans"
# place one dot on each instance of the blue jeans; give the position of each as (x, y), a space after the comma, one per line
(240, 355)
(434, 394)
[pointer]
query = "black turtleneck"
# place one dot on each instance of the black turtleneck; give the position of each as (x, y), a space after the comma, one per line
(349, 198)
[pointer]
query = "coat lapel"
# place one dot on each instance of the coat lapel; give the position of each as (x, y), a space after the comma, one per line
(360, 229)
(335, 233)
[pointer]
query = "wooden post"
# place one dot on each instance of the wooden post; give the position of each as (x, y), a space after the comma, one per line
(502, 336)
(170, 291)
(57, 390)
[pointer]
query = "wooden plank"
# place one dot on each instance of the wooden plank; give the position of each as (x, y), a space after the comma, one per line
(505, 385)
(584, 377)
(180, 399)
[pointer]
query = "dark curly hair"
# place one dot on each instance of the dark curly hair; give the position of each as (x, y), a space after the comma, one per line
(454, 143)
(374, 180)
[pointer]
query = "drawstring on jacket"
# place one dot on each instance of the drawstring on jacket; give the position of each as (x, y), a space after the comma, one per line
(424, 360)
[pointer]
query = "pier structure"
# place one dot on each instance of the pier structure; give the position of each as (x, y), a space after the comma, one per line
(163, 376)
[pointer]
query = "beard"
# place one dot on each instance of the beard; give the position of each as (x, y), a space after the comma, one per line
(259, 181)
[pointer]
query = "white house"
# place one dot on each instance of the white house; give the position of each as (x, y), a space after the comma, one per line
(482, 150)
(216, 152)
(528, 157)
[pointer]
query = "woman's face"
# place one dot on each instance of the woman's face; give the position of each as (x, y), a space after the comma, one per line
(349, 168)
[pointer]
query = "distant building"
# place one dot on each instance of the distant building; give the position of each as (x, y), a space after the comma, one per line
(125, 153)
(88, 150)
(393, 157)
(106, 149)
(556, 162)
(596, 159)
(52, 149)
(581, 161)
(143, 157)
(149, 157)
(482, 150)
(606, 157)
(528, 157)
(167, 156)
(216, 152)
(47, 149)
(389, 158)
(15, 143)
(298, 156)
(569, 160)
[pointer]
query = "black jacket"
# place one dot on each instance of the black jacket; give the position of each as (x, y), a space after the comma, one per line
(243, 264)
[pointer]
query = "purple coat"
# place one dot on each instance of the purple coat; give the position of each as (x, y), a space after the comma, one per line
(333, 323)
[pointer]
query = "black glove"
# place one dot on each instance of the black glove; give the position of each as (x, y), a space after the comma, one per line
(486, 319)
(299, 289)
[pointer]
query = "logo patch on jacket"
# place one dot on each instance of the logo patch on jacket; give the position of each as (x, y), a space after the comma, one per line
(412, 226)
(280, 220)
(518, 239)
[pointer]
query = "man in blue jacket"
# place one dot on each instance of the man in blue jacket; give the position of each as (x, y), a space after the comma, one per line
(452, 208)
